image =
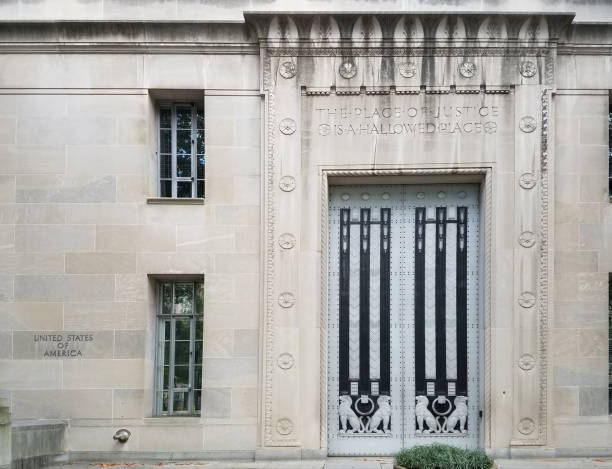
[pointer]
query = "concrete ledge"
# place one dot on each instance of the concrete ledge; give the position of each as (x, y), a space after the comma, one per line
(147, 456)
(37, 443)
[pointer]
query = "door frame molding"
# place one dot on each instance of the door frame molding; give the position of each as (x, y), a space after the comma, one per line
(483, 175)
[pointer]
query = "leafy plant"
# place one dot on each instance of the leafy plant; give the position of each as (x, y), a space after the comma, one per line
(438, 456)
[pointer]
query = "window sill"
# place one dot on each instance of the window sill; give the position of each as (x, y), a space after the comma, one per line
(176, 200)
(173, 419)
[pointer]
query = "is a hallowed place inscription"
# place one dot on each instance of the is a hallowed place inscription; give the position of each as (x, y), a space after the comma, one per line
(406, 121)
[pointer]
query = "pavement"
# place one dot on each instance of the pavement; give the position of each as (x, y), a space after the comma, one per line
(338, 463)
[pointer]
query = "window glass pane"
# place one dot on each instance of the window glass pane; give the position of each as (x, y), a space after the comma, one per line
(165, 118)
(165, 166)
(181, 376)
(181, 353)
(197, 377)
(166, 291)
(200, 192)
(164, 397)
(183, 189)
(183, 166)
(200, 138)
(166, 381)
(165, 189)
(165, 141)
(199, 297)
(183, 298)
(167, 330)
(200, 112)
(183, 142)
(198, 352)
(198, 334)
(200, 166)
(197, 402)
(166, 353)
(181, 402)
(182, 329)
(183, 117)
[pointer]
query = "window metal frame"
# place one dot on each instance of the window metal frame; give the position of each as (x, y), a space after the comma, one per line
(160, 364)
(193, 179)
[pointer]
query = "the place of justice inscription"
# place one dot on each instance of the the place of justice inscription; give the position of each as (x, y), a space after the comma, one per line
(406, 121)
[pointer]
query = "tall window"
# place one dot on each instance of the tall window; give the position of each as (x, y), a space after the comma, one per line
(179, 352)
(181, 150)
(610, 148)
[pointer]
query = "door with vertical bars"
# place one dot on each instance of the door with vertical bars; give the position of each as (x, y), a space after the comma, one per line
(403, 317)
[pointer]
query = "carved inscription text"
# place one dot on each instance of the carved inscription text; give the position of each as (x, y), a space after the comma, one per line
(407, 121)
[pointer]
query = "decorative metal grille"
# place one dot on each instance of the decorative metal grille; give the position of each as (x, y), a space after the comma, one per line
(403, 325)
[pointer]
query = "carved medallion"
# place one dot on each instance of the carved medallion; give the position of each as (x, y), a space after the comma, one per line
(287, 69)
(527, 239)
(527, 124)
(526, 426)
(287, 183)
(285, 361)
(365, 196)
(467, 69)
(348, 69)
(528, 68)
(462, 195)
(324, 129)
(284, 426)
(527, 180)
(286, 241)
(527, 300)
(526, 362)
(345, 196)
(286, 299)
(407, 69)
(287, 126)
(490, 127)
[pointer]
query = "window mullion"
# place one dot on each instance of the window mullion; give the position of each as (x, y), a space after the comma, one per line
(191, 366)
(194, 150)
(173, 140)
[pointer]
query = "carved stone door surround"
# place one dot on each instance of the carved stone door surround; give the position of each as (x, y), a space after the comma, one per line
(497, 60)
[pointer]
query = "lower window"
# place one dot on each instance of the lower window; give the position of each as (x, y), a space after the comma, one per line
(178, 378)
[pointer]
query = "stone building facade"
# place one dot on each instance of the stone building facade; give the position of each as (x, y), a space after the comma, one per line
(366, 225)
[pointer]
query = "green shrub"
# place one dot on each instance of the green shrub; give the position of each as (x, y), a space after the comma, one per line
(438, 456)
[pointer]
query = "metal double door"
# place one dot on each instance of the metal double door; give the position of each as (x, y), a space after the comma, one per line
(403, 317)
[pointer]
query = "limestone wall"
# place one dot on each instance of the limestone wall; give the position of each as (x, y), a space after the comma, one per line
(593, 11)
(79, 243)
